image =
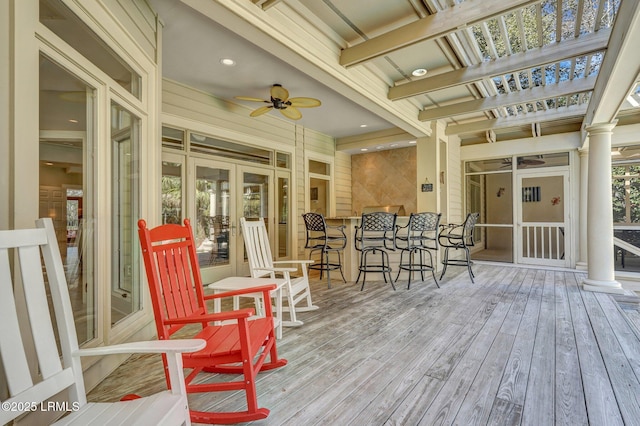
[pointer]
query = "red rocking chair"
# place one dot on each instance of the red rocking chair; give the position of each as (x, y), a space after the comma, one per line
(239, 347)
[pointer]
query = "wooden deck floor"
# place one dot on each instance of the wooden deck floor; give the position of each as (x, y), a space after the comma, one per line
(520, 346)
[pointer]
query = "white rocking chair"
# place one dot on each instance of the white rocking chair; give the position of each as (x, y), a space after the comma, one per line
(57, 375)
(261, 264)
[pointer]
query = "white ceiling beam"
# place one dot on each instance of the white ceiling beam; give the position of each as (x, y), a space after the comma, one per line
(381, 137)
(520, 61)
(525, 96)
(430, 27)
(619, 69)
(525, 120)
(265, 4)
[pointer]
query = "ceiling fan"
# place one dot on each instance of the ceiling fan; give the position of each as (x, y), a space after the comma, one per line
(524, 162)
(280, 100)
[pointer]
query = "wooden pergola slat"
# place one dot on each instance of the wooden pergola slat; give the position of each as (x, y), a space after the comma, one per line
(501, 101)
(521, 61)
(430, 27)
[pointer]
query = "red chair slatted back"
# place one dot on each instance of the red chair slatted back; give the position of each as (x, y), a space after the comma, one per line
(173, 274)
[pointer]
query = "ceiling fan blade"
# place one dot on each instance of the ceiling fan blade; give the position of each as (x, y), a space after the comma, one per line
(279, 92)
(292, 113)
(305, 102)
(248, 98)
(260, 111)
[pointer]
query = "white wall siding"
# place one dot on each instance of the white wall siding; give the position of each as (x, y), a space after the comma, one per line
(342, 182)
(228, 119)
(139, 20)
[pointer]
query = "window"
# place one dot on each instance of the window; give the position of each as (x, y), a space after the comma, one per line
(56, 16)
(221, 148)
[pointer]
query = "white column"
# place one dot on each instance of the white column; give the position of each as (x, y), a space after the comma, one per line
(582, 225)
(601, 273)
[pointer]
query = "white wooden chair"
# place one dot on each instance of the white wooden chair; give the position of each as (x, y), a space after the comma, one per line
(63, 372)
(296, 290)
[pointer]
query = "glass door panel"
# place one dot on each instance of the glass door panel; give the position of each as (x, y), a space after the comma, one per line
(125, 201)
(213, 211)
(255, 202)
(172, 189)
(283, 234)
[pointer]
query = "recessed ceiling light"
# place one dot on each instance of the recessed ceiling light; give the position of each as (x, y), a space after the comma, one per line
(413, 141)
(364, 149)
(228, 62)
(73, 121)
(363, 125)
(419, 72)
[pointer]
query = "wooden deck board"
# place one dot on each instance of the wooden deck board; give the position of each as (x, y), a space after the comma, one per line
(518, 347)
(600, 400)
(570, 407)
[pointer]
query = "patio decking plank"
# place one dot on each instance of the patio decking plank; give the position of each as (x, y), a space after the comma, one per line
(602, 407)
(518, 347)
(623, 380)
(513, 386)
(569, 407)
(539, 403)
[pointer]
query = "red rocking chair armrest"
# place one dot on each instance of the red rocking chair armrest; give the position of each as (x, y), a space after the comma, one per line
(263, 288)
(220, 316)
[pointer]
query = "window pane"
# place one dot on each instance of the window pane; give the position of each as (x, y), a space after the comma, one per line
(496, 164)
(171, 192)
(283, 217)
(125, 198)
(318, 167)
(66, 187)
(283, 160)
(543, 160)
(56, 16)
(172, 138)
(255, 199)
(220, 148)
(212, 216)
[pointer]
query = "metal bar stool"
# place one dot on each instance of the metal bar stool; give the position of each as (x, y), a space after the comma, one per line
(325, 239)
(417, 237)
(458, 237)
(376, 234)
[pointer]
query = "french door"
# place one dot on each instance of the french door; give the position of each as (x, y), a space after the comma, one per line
(219, 193)
(542, 229)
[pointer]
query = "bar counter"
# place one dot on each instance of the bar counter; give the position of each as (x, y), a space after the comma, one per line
(351, 257)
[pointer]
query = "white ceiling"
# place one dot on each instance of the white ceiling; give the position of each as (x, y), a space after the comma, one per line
(193, 46)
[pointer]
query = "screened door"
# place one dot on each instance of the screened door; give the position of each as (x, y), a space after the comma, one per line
(543, 219)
